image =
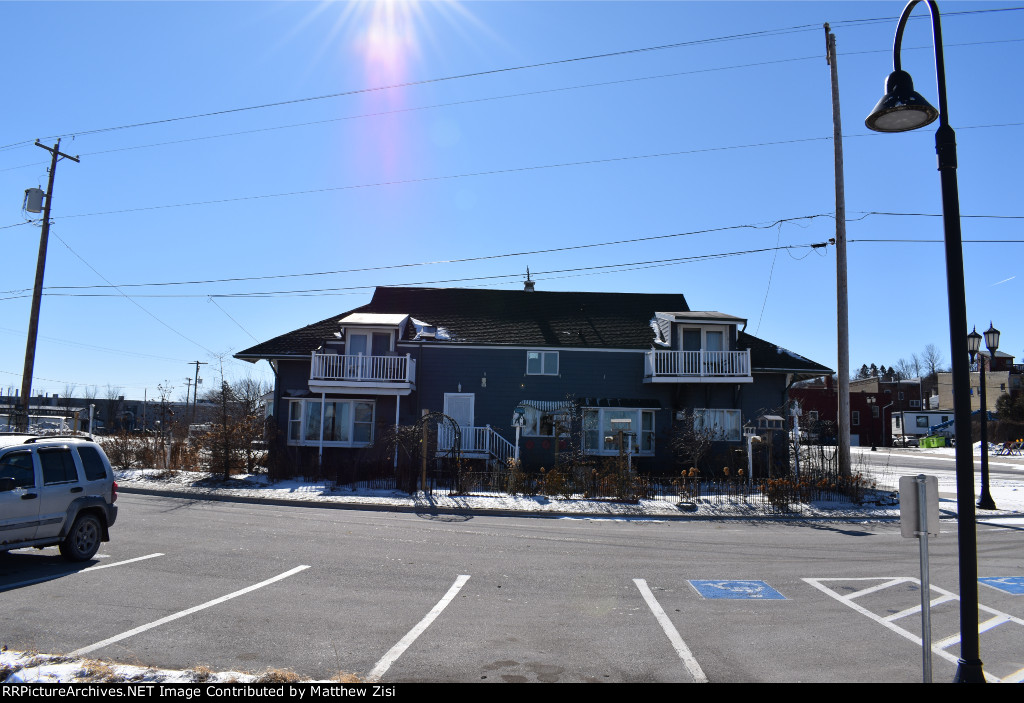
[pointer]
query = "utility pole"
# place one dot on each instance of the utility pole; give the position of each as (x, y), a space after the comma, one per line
(188, 389)
(842, 302)
(196, 393)
(37, 291)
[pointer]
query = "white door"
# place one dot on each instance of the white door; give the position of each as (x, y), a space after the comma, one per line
(459, 407)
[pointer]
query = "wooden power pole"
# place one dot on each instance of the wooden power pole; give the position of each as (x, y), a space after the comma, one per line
(37, 291)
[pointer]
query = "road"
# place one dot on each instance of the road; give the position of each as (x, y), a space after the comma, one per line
(426, 597)
(888, 465)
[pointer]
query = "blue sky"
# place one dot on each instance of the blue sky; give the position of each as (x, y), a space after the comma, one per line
(716, 139)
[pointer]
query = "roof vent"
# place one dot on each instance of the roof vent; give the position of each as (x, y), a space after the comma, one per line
(528, 284)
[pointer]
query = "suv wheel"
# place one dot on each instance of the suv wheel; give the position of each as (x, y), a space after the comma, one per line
(83, 541)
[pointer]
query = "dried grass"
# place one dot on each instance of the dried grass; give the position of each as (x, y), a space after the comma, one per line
(278, 676)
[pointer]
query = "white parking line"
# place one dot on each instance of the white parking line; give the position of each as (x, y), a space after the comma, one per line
(183, 613)
(403, 644)
(689, 661)
(917, 608)
(19, 584)
(939, 646)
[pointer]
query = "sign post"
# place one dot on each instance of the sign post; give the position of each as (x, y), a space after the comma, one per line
(518, 421)
(919, 517)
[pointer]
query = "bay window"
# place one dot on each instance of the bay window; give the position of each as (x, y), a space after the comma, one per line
(601, 428)
(346, 423)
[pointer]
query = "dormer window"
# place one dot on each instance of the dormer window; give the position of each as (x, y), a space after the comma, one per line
(703, 339)
(368, 343)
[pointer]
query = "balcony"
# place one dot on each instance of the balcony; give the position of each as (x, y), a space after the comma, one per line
(697, 367)
(354, 374)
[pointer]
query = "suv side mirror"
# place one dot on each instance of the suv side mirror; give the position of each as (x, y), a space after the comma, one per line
(7, 484)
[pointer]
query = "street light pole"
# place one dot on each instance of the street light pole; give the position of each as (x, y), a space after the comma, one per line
(900, 110)
(985, 501)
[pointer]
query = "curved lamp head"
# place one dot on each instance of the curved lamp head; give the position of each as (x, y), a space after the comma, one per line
(973, 343)
(992, 339)
(901, 109)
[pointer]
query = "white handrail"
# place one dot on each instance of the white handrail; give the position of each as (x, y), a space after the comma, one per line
(697, 363)
(477, 440)
(357, 367)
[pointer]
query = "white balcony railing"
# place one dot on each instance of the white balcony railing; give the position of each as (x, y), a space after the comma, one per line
(371, 369)
(698, 364)
(476, 440)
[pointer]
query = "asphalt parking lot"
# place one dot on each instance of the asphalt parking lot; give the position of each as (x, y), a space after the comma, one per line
(405, 597)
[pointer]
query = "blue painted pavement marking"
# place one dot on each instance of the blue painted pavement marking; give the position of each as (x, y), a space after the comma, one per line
(744, 590)
(1008, 584)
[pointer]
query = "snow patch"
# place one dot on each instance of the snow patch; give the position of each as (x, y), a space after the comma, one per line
(425, 330)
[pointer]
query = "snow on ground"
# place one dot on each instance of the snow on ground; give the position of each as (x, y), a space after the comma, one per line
(257, 487)
(883, 464)
(22, 667)
(1008, 494)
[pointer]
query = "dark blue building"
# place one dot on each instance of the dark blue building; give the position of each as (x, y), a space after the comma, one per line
(611, 361)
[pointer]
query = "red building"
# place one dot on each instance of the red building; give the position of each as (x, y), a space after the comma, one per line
(872, 402)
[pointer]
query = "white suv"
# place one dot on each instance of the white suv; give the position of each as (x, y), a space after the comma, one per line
(55, 491)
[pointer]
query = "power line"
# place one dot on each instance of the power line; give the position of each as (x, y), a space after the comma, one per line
(429, 179)
(942, 241)
(534, 252)
(65, 342)
(130, 299)
(511, 96)
(475, 74)
(428, 81)
(487, 257)
(348, 289)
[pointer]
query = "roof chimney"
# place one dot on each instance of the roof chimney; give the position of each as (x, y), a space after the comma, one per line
(528, 284)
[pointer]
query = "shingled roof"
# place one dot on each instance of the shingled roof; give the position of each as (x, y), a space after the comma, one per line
(513, 317)
(765, 356)
(525, 318)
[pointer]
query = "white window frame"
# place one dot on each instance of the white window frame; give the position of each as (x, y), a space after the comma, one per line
(915, 403)
(812, 415)
(704, 329)
(545, 363)
(297, 425)
(368, 332)
(643, 444)
(854, 418)
(719, 415)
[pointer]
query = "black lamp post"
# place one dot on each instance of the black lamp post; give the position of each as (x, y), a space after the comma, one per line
(901, 110)
(985, 501)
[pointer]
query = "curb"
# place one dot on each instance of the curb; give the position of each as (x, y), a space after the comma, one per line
(212, 495)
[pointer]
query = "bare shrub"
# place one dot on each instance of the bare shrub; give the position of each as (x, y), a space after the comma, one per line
(278, 676)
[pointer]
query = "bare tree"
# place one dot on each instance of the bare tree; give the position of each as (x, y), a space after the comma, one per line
(691, 440)
(112, 405)
(931, 359)
(68, 395)
(239, 422)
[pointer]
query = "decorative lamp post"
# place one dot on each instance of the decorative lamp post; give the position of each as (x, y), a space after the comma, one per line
(871, 432)
(900, 110)
(985, 501)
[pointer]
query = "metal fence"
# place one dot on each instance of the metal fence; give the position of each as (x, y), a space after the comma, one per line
(779, 494)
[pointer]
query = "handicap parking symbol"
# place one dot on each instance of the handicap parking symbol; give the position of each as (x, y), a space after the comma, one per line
(1013, 585)
(736, 590)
